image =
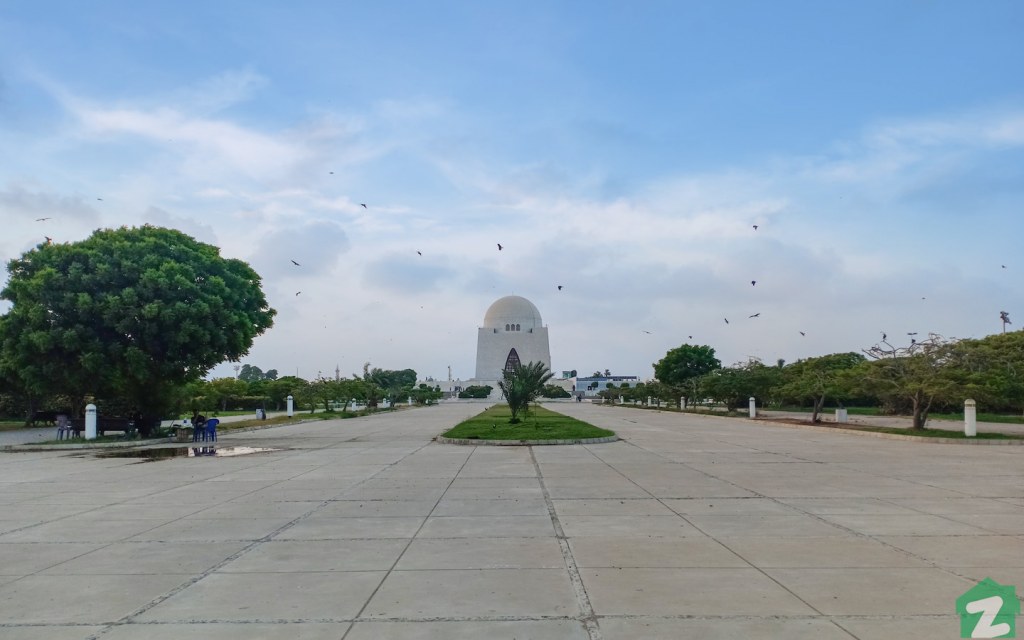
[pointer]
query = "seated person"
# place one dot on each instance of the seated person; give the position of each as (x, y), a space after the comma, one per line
(198, 425)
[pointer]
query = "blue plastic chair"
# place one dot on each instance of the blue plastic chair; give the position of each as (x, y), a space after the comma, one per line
(211, 429)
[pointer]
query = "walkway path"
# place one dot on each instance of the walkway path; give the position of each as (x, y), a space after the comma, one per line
(358, 529)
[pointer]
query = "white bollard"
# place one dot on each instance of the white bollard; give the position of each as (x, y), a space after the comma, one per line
(970, 418)
(410, 401)
(842, 416)
(753, 407)
(682, 403)
(291, 406)
(649, 400)
(622, 400)
(90, 422)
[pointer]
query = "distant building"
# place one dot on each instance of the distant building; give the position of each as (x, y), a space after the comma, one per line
(592, 385)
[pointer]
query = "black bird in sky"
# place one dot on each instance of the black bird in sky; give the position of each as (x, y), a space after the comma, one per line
(755, 227)
(45, 219)
(296, 263)
(362, 205)
(911, 333)
(884, 336)
(49, 240)
(726, 320)
(1004, 266)
(331, 172)
(100, 199)
(559, 287)
(500, 247)
(802, 333)
(419, 253)
(689, 337)
(297, 292)
(756, 315)
(753, 282)
(646, 331)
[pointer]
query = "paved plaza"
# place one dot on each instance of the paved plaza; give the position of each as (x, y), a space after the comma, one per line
(691, 527)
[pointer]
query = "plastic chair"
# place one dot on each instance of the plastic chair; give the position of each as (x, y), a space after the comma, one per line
(211, 429)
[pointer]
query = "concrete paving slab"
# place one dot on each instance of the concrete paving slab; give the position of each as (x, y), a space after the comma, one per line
(728, 506)
(470, 630)
(26, 558)
(613, 507)
(497, 526)
(193, 529)
(697, 591)
(958, 551)
(318, 555)
(269, 597)
(721, 629)
(904, 627)
(321, 528)
(131, 558)
(533, 506)
(50, 632)
(376, 508)
(636, 526)
(229, 631)
(874, 591)
(474, 593)
(898, 525)
(81, 599)
(636, 552)
(482, 553)
(761, 525)
(835, 552)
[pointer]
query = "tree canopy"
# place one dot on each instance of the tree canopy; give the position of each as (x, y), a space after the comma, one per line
(522, 385)
(130, 313)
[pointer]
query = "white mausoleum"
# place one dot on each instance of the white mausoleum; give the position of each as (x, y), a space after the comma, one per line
(513, 333)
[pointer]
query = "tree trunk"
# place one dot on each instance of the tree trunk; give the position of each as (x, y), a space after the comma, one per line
(816, 415)
(918, 423)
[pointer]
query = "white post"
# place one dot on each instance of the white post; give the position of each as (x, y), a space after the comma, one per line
(90, 422)
(681, 403)
(842, 416)
(622, 400)
(410, 397)
(970, 418)
(648, 401)
(291, 406)
(753, 407)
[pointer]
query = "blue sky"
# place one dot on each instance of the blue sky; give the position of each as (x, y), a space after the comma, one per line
(622, 150)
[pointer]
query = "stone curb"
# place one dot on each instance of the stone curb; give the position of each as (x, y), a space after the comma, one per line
(84, 445)
(522, 443)
(893, 436)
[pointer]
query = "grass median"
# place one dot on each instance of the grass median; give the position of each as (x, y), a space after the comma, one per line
(539, 424)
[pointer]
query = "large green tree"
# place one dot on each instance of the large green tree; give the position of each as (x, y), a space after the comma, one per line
(816, 379)
(131, 313)
(683, 366)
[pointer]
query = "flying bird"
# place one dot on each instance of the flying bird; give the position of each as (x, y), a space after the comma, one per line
(559, 287)
(884, 336)
(297, 292)
(500, 247)
(331, 172)
(362, 205)
(1004, 266)
(756, 315)
(296, 263)
(419, 253)
(753, 282)
(49, 240)
(646, 331)
(726, 320)
(100, 199)
(755, 227)
(689, 337)
(45, 219)
(911, 333)
(802, 333)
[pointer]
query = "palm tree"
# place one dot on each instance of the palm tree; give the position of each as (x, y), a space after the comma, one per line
(521, 385)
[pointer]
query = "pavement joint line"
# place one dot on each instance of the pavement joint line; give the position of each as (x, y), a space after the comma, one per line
(195, 579)
(409, 543)
(588, 617)
(815, 516)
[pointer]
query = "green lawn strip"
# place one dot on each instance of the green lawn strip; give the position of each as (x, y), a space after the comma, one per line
(539, 424)
(875, 411)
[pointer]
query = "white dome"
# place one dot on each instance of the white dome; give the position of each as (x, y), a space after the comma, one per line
(512, 310)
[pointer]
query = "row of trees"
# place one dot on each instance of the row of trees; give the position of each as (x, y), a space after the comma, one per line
(915, 379)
